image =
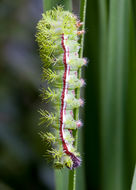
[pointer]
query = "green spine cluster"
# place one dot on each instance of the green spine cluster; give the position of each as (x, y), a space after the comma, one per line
(49, 37)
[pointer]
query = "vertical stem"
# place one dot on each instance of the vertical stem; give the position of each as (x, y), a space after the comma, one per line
(82, 18)
(72, 174)
(103, 17)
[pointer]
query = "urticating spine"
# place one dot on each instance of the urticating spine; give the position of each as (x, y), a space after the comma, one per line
(57, 37)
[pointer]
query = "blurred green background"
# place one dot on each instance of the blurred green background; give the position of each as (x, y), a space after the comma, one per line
(22, 165)
(109, 132)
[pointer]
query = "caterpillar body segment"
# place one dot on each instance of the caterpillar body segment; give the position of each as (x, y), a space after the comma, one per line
(57, 37)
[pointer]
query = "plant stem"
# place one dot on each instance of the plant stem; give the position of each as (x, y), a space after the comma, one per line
(72, 173)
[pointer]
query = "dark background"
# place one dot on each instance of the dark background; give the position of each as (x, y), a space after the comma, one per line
(22, 165)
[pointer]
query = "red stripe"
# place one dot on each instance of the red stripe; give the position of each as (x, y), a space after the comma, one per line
(65, 148)
(76, 160)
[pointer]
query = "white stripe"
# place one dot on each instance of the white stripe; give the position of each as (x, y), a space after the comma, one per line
(66, 86)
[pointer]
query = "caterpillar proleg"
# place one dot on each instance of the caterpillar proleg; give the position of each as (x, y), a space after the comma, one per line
(57, 37)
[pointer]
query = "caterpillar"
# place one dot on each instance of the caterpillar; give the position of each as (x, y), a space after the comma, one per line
(57, 37)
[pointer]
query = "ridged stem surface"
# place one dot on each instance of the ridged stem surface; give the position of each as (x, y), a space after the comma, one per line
(72, 174)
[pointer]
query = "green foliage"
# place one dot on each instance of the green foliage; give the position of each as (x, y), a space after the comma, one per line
(110, 46)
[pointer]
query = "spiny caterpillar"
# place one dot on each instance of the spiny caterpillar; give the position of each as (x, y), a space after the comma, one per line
(57, 37)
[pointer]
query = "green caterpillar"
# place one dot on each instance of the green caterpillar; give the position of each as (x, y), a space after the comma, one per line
(57, 37)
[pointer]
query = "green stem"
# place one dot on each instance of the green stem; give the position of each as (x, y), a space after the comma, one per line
(72, 173)
(82, 18)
